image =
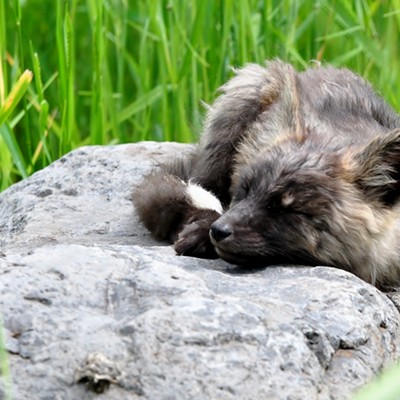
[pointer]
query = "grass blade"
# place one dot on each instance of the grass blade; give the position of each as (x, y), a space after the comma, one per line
(14, 149)
(15, 96)
(143, 102)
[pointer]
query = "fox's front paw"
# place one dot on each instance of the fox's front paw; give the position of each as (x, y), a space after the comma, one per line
(194, 240)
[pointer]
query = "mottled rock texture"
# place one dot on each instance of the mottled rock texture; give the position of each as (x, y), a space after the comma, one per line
(91, 303)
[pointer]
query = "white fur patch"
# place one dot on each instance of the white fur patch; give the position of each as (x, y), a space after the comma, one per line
(287, 199)
(203, 199)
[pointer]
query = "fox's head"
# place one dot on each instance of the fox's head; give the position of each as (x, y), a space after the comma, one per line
(301, 204)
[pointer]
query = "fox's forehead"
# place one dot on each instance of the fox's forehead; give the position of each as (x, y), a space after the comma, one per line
(288, 169)
(287, 180)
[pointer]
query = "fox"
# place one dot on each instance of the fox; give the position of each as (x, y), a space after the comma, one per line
(298, 168)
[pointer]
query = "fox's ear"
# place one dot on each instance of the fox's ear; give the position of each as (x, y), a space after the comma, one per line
(377, 168)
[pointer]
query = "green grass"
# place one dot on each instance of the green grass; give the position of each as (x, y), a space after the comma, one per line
(5, 375)
(385, 387)
(117, 71)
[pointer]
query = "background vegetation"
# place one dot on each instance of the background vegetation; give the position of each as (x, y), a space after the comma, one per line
(115, 71)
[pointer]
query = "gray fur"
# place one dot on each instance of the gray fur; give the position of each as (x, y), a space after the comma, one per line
(307, 166)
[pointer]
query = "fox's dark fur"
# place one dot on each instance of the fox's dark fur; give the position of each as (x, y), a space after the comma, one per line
(306, 167)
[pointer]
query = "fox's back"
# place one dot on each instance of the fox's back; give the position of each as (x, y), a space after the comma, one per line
(340, 106)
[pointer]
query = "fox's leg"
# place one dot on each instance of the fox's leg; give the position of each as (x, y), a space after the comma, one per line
(228, 121)
(180, 201)
(178, 211)
(245, 100)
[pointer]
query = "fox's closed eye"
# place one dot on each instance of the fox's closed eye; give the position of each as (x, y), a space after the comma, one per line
(242, 191)
(275, 204)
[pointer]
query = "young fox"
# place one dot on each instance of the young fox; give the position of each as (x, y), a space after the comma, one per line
(299, 168)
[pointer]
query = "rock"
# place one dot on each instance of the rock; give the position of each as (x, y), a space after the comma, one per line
(92, 304)
(85, 198)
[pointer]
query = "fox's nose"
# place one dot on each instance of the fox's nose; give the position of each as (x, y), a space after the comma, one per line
(220, 231)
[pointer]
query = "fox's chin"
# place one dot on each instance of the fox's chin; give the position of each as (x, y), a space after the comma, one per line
(245, 259)
(233, 258)
(258, 261)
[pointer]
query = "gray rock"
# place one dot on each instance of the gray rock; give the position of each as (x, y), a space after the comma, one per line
(92, 303)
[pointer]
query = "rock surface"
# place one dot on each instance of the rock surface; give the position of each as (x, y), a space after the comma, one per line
(91, 303)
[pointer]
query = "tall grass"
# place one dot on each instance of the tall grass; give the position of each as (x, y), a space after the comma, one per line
(115, 71)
